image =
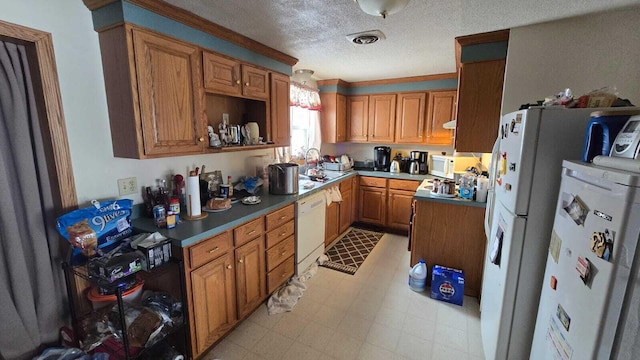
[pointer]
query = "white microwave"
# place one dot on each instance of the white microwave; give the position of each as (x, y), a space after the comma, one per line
(446, 166)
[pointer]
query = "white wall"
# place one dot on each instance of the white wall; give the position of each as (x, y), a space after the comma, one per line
(582, 53)
(85, 109)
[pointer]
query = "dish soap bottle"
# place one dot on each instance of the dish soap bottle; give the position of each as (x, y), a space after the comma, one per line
(418, 276)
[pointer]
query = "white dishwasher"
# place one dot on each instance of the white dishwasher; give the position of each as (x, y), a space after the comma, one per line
(310, 216)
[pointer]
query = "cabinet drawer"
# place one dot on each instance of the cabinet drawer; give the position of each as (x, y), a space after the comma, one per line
(279, 275)
(279, 217)
(209, 249)
(280, 252)
(278, 234)
(373, 181)
(248, 231)
(408, 185)
(345, 185)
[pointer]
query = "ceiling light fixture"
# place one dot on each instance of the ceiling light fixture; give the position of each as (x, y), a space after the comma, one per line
(382, 8)
(303, 75)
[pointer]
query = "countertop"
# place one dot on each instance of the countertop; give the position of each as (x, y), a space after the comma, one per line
(190, 232)
(423, 194)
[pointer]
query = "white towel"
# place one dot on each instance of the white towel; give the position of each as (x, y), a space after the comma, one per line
(333, 194)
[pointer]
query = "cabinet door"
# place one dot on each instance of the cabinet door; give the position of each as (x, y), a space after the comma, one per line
(255, 82)
(372, 207)
(250, 275)
(479, 101)
(213, 291)
(399, 209)
(357, 118)
(382, 118)
(332, 219)
(441, 109)
(168, 81)
(410, 118)
(346, 205)
(221, 74)
(333, 117)
(279, 120)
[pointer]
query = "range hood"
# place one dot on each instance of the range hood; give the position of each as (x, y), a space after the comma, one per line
(450, 125)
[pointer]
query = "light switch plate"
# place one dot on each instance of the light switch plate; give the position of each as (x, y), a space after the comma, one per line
(127, 186)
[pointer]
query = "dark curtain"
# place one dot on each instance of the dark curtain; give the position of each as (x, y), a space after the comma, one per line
(31, 293)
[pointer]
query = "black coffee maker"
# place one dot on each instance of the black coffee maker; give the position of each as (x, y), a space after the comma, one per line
(381, 158)
(423, 160)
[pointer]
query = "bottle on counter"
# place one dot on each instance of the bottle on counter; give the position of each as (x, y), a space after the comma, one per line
(230, 186)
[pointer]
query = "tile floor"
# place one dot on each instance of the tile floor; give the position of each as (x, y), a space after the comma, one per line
(370, 315)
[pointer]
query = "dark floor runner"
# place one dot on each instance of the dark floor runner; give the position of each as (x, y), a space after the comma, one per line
(350, 252)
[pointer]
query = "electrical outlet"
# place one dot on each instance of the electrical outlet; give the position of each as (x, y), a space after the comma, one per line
(127, 186)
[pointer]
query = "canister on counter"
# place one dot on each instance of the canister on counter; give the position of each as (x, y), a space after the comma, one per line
(174, 205)
(171, 220)
(159, 215)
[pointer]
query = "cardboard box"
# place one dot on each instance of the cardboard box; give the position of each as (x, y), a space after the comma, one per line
(447, 284)
(155, 253)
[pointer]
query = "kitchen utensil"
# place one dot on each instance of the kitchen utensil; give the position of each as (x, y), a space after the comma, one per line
(414, 167)
(283, 178)
(395, 164)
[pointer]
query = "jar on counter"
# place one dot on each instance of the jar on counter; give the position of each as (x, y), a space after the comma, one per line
(174, 206)
(171, 220)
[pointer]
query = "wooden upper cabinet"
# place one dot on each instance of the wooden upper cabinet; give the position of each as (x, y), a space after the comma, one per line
(333, 117)
(357, 118)
(410, 122)
(280, 130)
(479, 100)
(221, 74)
(441, 109)
(255, 82)
(227, 76)
(153, 93)
(382, 116)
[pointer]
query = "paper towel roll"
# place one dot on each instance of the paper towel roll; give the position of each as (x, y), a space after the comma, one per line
(194, 208)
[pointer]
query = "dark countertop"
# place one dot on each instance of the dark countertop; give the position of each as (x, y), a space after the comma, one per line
(190, 232)
(425, 195)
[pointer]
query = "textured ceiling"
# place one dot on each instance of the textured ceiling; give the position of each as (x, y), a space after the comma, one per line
(419, 39)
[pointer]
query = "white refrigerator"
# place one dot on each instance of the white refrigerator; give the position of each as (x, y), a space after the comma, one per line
(589, 304)
(523, 188)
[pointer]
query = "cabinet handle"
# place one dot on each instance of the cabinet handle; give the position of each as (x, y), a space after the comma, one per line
(229, 267)
(251, 232)
(283, 217)
(241, 261)
(246, 84)
(283, 275)
(201, 139)
(238, 82)
(283, 234)
(283, 253)
(213, 250)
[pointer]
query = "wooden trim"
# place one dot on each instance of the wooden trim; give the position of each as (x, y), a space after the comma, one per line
(411, 79)
(482, 38)
(52, 122)
(190, 19)
(493, 36)
(405, 80)
(94, 4)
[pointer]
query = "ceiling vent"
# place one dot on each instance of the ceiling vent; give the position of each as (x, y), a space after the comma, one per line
(366, 37)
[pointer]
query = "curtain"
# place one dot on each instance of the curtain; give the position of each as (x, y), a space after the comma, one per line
(305, 121)
(31, 290)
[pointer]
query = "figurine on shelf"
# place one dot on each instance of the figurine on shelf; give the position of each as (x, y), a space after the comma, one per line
(214, 140)
(223, 128)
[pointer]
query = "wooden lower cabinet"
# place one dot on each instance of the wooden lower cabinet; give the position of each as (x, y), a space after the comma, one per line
(331, 223)
(453, 236)
(225, 284)
(372, 205)
(250, 276)
(346, 206)
(399, 209)
(214, 306)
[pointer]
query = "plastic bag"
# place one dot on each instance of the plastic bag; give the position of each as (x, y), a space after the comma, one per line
(96, 226)
(561, 99)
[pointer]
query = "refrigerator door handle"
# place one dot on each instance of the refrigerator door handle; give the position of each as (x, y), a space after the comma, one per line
(493, 168)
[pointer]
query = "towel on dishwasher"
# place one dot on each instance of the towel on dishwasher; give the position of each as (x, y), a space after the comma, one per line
(333, 194)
